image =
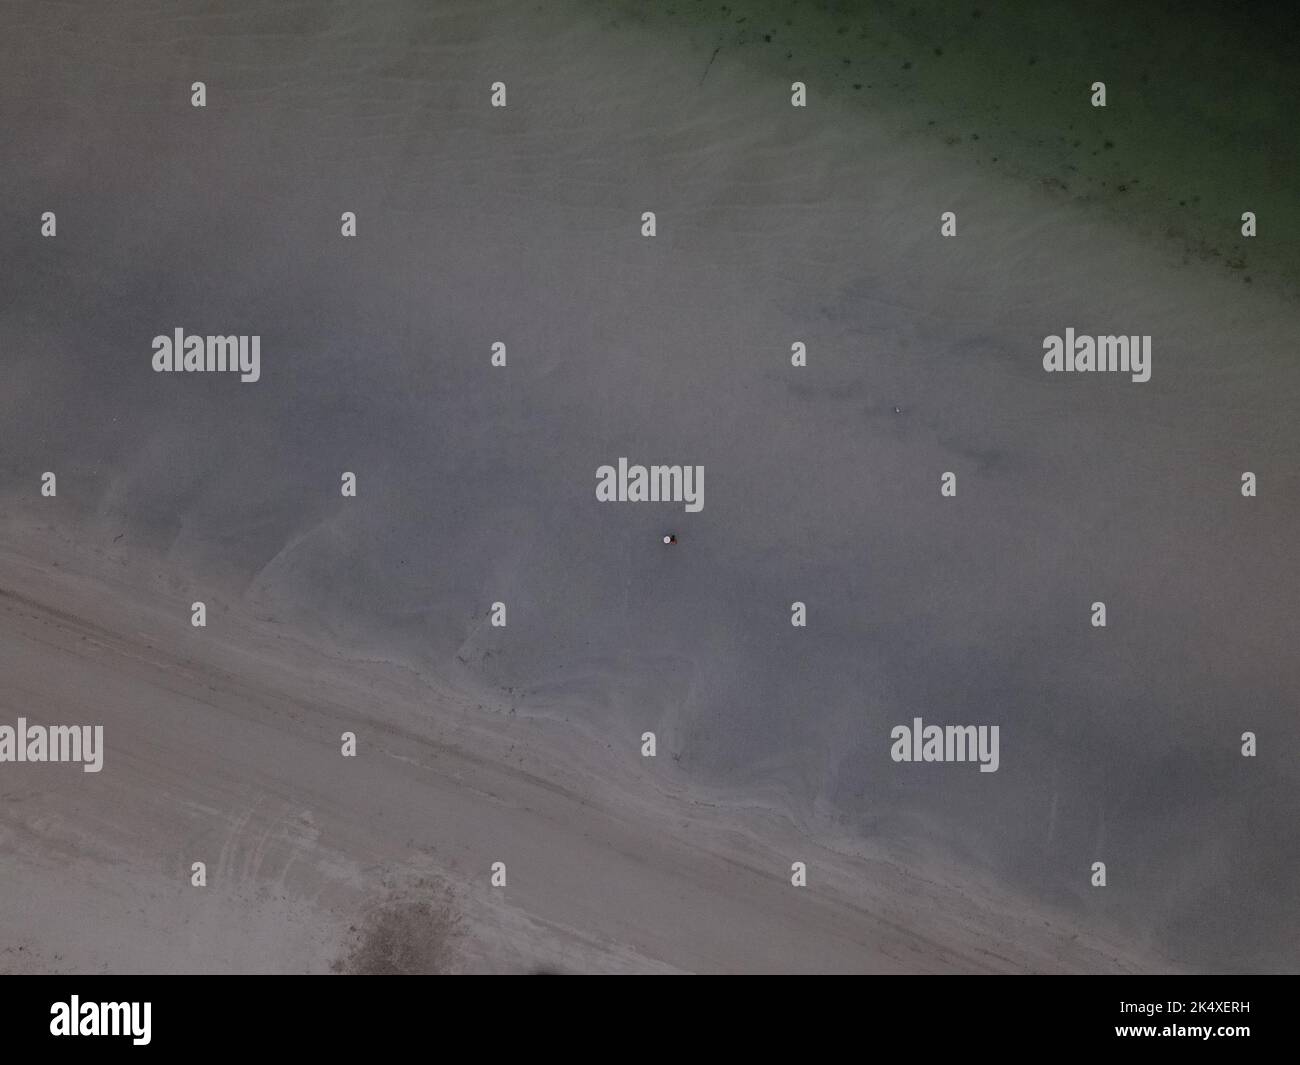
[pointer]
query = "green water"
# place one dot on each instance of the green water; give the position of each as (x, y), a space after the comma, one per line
(1199, 125)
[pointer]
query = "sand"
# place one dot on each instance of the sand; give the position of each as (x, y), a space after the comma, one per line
(225, 749)
(476, 485)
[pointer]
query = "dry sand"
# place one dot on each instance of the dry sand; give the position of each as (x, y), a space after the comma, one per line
(224, 747)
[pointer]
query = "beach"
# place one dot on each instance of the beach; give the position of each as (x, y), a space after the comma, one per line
(477, 484)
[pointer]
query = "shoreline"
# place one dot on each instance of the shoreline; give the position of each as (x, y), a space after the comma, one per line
(289, 869)
(1164, 159)
(475, 485)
